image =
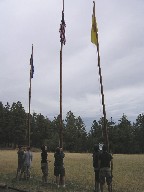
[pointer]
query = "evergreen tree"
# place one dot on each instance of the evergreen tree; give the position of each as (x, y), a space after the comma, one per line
(94, 135)
(81, 136)
(40, 130)
(18, 124)
(70, 132)
(139, 134)
(7, 133)
(55, 131)
(1, 123)
(125, 133)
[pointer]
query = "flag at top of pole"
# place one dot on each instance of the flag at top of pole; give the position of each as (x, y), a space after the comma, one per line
(32, 66)
(62, 30)
(94, 29)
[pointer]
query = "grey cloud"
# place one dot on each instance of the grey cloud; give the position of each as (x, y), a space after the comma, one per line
(120, 25)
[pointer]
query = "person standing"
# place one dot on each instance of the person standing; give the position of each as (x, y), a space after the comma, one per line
(44, 163)
(20, 154)
(106, 167)
(28, 157)
(96, 155)
(59, 170)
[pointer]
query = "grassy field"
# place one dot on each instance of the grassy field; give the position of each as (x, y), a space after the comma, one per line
(128, 173)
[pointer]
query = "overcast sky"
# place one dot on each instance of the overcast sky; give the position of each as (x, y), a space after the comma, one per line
(121, 39)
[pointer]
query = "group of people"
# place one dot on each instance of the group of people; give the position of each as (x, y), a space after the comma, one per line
(103, 166)
(102, 163)
(25, 160)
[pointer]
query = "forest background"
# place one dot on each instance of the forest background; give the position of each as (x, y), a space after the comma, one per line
(124, 137)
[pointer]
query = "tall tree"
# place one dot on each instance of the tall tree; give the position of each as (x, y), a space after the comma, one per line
(7, 133)
(39, 129)
(125, 132)
(75, 133)
(139, 134)
(95, 135)
(1, 123)
(54, 140)
(81, 135)
(18, 124)
(113, 135)
(70, 132)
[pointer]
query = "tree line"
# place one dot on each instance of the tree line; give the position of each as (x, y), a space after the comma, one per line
(124, 136)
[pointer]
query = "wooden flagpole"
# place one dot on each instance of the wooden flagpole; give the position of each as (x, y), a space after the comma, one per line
(105, 134)
(61, 125)
(62, 40)
(31, 71)
(63, 5)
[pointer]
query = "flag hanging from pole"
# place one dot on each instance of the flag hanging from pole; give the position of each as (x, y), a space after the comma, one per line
(32, 66)
(62, 30)
(94, 29)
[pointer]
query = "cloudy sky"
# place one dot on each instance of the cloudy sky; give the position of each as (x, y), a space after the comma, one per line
(121, 39)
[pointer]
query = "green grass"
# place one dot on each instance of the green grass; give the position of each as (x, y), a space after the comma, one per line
(128, 173)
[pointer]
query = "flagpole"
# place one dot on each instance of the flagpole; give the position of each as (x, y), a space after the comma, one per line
(63, 5)
(105, 134)
(31, 60)
(61, 126)
(62, 40)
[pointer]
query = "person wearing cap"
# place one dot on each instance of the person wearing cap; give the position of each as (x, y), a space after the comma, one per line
(44, 163)
(59, 170)
(106, 166)
(96, 155)
(20, 154)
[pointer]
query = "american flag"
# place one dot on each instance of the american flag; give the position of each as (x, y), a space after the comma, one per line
(32, 66)
(62, 30)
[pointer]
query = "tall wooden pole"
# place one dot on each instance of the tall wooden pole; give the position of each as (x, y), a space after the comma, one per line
(62, 40)
(31, 71)
(29, 112)
(63, 5)
(105, 134)
(61, 124)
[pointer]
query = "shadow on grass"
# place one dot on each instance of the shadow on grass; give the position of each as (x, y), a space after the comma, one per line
(36, 185)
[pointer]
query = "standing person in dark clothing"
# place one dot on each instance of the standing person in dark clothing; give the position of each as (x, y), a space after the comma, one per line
(96, 155)
(44, 164)
(59, 170)
(20, 160)
(106, 166)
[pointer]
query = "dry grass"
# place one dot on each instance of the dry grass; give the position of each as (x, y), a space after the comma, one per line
(128, 172)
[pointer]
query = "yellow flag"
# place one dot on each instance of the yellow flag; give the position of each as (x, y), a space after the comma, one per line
(94, 29)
